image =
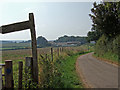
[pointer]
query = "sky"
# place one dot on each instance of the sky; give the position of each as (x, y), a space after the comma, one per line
(52, 19)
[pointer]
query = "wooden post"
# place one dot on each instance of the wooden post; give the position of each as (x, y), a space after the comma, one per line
(52, 54)
(8, 74)
(58, 51)
(46, 56)
(62, 49)
(20, 75)
(34, 47)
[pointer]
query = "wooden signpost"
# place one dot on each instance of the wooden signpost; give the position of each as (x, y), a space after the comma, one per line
(22, 26)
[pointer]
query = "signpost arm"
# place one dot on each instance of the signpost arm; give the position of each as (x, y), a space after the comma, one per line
(21, 26)
(34, 47)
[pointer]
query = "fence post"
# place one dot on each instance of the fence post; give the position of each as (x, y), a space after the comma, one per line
(58, 51)
(62, 49)
(46, 56)
(8, 74)
(52, 54)
(20, 75)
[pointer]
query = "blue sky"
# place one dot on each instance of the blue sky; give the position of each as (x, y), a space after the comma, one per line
(52, 19)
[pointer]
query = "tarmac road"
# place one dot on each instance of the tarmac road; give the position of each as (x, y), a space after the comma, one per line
(96, 73)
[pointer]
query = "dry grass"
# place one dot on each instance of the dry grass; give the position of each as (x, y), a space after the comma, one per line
(19, 55)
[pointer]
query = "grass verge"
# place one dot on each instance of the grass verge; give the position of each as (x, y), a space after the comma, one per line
(108, 57)
(69, 76)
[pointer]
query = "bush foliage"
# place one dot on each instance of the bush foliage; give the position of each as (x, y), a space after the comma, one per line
(108, 48)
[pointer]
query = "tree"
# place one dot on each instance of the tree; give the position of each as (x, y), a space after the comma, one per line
(93, 36)
(106, 18)
(42, 42)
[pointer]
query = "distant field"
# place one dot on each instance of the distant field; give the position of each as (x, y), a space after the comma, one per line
(12, 46)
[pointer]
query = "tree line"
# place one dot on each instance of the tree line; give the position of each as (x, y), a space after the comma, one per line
(106, 20)
(43, 42)
(66, 38)
(106, 29)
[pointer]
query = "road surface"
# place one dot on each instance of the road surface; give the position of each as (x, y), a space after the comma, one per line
(96, 73)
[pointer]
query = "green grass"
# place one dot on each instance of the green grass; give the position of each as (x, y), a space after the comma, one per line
(108, 56)
(67, 68)
(15, 46)
(12, 48)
